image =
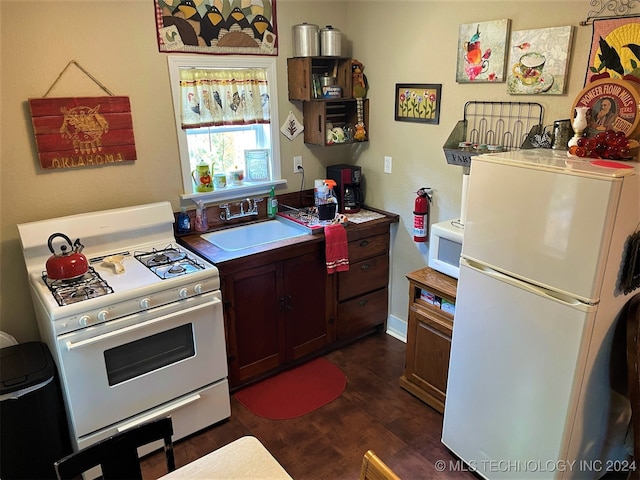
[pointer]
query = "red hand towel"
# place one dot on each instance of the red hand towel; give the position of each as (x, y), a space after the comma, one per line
(337, 249)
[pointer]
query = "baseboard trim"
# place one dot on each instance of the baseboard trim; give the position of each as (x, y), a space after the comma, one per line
(397, 328)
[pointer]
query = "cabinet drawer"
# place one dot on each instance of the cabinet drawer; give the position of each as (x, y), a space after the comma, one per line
(362, 314)
(364, 276)
(368, 247)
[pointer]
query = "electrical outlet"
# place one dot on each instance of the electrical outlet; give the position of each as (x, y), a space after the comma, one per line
(297, 164)
(387, 164)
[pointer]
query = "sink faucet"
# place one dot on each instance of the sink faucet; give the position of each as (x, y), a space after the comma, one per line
(252, 209)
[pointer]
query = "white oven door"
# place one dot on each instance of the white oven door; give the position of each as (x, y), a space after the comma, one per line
(121, 368)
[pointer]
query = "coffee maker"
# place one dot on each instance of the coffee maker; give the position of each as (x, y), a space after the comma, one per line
(348, 190)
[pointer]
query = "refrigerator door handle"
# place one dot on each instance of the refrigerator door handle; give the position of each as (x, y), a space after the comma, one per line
(544, 292)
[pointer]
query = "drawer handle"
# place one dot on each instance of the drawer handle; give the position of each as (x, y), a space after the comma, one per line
(364, 243)
(363, 302)
(365, 267)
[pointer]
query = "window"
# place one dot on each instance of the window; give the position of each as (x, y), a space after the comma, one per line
(219, 139)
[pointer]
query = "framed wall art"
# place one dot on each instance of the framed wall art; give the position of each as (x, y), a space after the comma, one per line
(235, 27)
(482, 50)
(418, 102)
(538, 61)
(615, 50)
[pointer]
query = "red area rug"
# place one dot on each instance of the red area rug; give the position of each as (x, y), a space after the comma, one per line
(295, 392)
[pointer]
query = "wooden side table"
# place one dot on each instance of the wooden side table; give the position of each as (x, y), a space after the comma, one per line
(432, 298)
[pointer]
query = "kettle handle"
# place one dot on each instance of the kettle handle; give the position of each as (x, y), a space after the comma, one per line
(50, 242)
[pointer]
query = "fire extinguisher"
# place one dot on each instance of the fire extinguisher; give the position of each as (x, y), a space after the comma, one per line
(421, 215)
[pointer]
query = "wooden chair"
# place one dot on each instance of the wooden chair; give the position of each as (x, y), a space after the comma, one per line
(631, 313)
(375, 469)
(118, 454)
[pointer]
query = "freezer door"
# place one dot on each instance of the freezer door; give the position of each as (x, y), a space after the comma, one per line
(551, 228)
(516, 366)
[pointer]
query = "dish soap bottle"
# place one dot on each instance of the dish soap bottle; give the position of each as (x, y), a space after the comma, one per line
(202, 225)
(184, 222)
(272, 204)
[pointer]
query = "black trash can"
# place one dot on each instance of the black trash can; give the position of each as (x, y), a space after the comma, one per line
(33, 426)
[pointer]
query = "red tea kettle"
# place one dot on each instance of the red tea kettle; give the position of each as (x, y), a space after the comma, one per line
(66, 265)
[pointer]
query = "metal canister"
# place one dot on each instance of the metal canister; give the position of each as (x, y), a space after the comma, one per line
(306, 40)
(330, 42)
(561, 133)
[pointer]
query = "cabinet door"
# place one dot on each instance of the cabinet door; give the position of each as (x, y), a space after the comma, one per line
(305, 290)
(428, 348)
(255, 321)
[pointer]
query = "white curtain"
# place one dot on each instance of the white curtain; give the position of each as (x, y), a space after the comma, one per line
(214, 97)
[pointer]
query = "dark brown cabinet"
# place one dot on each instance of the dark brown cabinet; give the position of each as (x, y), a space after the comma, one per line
(362, 291)
(275, 314)
(432, 297)
(281, 308)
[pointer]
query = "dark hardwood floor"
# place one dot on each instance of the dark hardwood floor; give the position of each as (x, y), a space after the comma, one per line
(372, 413)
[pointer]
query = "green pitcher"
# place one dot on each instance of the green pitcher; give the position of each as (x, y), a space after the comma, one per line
(202, 178)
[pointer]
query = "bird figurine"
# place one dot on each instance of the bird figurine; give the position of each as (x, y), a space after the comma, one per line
(359, 80)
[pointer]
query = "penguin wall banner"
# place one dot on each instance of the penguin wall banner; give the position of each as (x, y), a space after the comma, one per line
(615, 50)
(482, 50)
(83, 131)
(234, 27)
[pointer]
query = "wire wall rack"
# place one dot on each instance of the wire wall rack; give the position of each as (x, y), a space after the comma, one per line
(501, 125)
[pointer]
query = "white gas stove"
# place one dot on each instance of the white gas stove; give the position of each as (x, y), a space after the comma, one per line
(136, 344)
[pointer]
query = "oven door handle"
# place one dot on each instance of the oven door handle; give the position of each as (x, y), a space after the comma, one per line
(122, 331)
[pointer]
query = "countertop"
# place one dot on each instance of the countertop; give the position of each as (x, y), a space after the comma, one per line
(219, 257)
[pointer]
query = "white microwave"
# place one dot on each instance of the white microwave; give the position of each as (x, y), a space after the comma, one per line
(445, 247)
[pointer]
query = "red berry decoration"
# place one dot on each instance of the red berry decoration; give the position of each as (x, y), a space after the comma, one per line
(610, 144)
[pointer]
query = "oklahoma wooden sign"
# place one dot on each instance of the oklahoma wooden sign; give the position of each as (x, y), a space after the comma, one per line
(83, 131)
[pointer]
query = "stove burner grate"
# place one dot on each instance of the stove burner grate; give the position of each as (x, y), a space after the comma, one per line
(169, 262)
(67, 292)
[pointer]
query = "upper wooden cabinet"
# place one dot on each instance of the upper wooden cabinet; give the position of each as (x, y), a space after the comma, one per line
(300, 72)
(320, 112)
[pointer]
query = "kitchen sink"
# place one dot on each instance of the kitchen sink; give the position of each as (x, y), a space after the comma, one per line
(247, 236)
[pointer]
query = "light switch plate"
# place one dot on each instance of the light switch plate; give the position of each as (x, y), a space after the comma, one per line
(387, 164)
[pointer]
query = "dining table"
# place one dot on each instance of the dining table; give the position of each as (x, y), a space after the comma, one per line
(243, 459)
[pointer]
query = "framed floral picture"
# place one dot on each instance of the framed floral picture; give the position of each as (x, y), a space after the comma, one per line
(482, 50)
(418, 102)
(538, 61)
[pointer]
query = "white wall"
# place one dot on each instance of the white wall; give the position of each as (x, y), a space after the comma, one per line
(398, 42)
(416, 42)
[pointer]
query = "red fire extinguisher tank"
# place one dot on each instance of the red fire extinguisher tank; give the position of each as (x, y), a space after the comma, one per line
(421, 215)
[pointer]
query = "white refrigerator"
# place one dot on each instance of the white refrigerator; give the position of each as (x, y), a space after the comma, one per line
(529, 389)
